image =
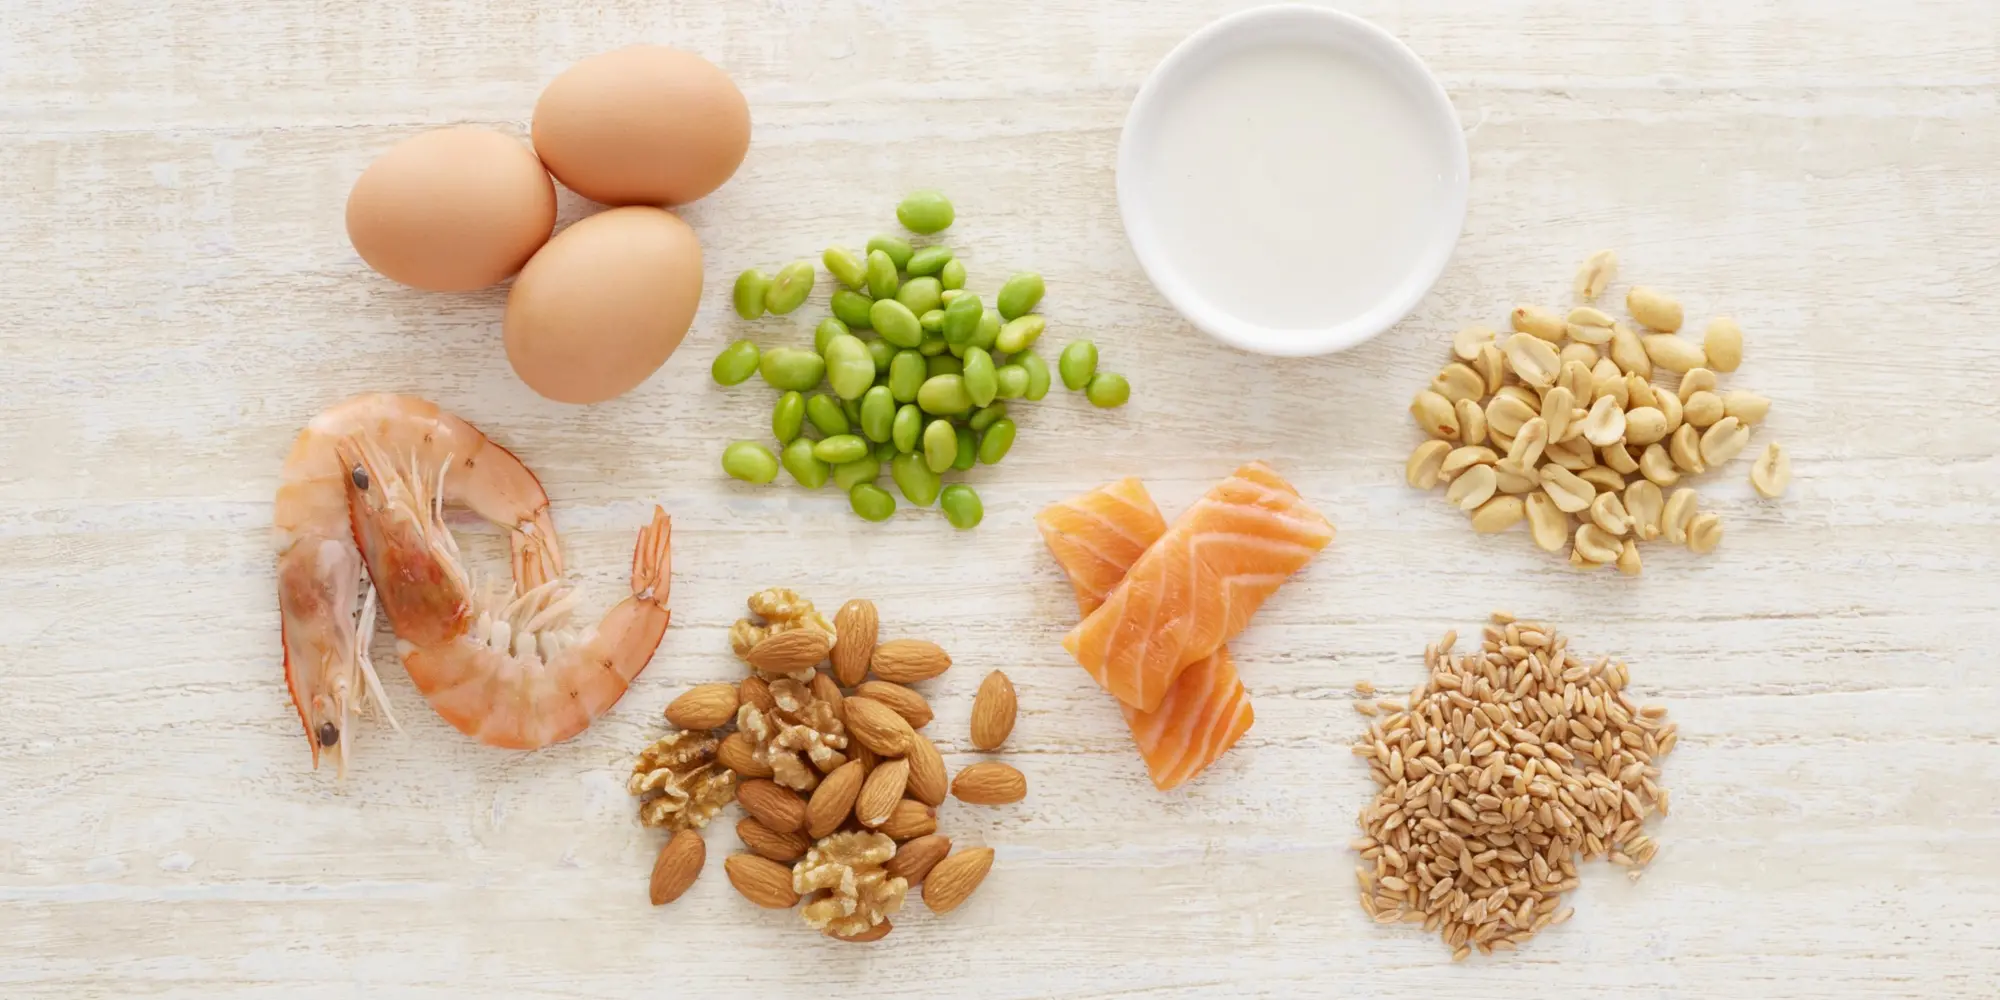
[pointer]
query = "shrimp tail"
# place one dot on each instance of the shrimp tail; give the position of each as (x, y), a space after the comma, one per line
(652, 560)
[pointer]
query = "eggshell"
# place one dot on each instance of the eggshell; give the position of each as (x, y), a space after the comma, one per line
(604, 304)
(642, 125)
(452, 210)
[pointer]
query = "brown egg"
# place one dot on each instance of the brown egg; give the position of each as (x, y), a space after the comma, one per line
(604, 304)
(452, 210)
(642, 125)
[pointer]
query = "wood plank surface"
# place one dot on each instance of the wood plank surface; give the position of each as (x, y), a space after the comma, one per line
(177, 298)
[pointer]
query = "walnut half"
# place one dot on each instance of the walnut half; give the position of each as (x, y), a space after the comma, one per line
(848, 888)
(801, 728)
(680, 785)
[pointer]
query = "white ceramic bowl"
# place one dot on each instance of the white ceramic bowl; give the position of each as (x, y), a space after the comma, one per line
(1290, 26)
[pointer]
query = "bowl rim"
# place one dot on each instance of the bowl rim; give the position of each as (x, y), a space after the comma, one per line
(1392, 308)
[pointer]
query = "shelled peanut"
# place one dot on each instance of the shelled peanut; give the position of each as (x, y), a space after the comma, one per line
(1562, 425)
(828, 760)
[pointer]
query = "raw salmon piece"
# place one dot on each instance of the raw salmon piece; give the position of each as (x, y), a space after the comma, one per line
(1203, 715)
(1197, 587)
(1098, 536)
(1095, 538)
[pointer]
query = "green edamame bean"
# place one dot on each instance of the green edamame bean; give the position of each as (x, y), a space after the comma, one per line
(896, 247)
(1021, 333)
(735, 364)
(751, 287)
(1020, 294)
(851, 409)
(750, 462)
(824, 333)
(824, 413)
(929, 260)
(995, 443)
(1038, 375)
(1077, 363)
(878, 413)
(921, 295)
(944, 396)
(849, 367)
(865, 469)
(949, 295)
(932, 321)
(791, 368)
(799, 460)
(961, 319)
(1012, 381)
(943, 364)
(925, 212)
(933, 345)
(907, 372)
(986, 416)
(981, 384)
(962, 507)
(988, 333)
(788, 417)
(850, 270)
(881, 275)
(872, 502)
(840, 449)
(790, 288)
(885, 450)
(882, 353)
(851, 308)
(968, 449)
(940, 445)
(914, 477)
(952, 274)
(907, 428)
(1108, 390)
(896, 323)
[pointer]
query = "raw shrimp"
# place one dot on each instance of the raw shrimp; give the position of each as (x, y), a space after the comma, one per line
(319, 567)
(508, 671)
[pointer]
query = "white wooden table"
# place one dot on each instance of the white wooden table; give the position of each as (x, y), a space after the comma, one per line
(177, 298)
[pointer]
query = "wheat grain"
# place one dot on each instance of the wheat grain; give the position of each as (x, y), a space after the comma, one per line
(1509, 763)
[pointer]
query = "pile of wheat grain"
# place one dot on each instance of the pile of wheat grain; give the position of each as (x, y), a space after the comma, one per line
(1494, 777)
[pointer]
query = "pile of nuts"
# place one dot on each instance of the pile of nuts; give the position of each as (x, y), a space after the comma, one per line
(1511, 762)
(827, 759)
(1561, 425)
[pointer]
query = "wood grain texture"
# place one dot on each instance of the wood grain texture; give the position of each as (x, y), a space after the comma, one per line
(180, 298)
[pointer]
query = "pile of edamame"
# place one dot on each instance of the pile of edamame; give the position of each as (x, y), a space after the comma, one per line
(918, 371)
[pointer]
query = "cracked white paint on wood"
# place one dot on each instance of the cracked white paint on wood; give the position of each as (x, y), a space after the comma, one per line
(179, 298)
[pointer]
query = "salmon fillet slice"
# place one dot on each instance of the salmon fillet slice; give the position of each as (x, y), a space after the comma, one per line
(1197, 587)
(1095, 538)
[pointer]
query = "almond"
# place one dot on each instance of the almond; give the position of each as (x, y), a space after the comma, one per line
(907, 703)
(826, 689)
(785, 847)
(867, 757)
(739, 754)
(989, 783)
(907, 661)
(834, 799)
(928, 783)
(790, 652)
(761, 881)
(875, 933)
(881, 793)
(916, 858)
(704, 706)
(909, 819)
(755, 691)
(993, 711)
(774, 805)
(856, 624)
(675, 869)
(878, 727)
(954, 878)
